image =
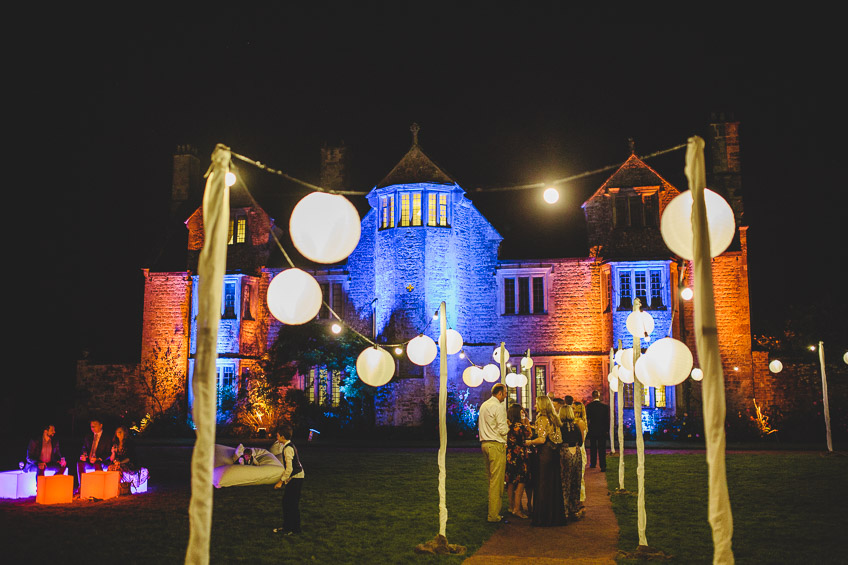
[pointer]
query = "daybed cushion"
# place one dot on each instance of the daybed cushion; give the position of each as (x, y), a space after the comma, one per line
(226, 474)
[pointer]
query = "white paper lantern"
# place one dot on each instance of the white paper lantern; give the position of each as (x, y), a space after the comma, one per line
(697, 374)
(625, 375)
(512, 380)
(375, 366)
(640, 323)
(669, 361)
(775, 366)
(472, 376)
(496, 355)
(526, 363)
(522, 380)
(613, 381)
(454, 342)
(294, 297)
(325, 228)
(845, 357)
(422, 350)
(687, 293)
(624, 357)
(676, 224)
(646, 372)
(491, 373)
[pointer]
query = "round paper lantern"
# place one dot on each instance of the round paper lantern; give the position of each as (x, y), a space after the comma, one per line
(491, 373)
(640, 323)
(294, 297)
(670, 361)
(624, 357)
(613, 381)
(522, 380)
(775, 366)
(551, 195)
(375, 366)
(496, 355)
(526, 363)
(697, 374)
(645, 371)
(845, 357)
(512, 380)
(422, 350)
(625, 375)
(454, 342)
(676, 224)
(324, 227)
(472, 376)
(687, 293)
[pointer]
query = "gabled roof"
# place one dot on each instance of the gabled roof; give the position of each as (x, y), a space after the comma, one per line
(633, 172)
(416, 167)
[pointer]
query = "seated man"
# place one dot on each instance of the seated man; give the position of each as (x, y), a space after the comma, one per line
(96, 449)
(43, 453)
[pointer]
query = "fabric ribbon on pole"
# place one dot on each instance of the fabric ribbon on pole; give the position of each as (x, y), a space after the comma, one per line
(620, 395)
(443, 430)
(638, 399)
(825, 403)
(211, 268)
(706, 338)
(612, 406)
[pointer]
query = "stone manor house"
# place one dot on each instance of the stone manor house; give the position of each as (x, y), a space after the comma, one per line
(424, 242)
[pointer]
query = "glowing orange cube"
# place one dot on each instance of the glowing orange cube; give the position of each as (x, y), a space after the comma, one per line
(99, 484)
(55, 489)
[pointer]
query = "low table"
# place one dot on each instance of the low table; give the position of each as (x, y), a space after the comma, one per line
(99, 484)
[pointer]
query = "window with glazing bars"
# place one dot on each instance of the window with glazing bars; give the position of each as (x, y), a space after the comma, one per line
(416, 208)
(431, 209)
(404, 209)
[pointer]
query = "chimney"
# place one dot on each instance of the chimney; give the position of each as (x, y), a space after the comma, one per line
(187, 181)
(333, 167)
(725, 176)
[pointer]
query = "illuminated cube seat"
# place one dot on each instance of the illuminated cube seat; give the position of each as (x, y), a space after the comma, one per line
(20, 484)
(55, 489)
(99, 484)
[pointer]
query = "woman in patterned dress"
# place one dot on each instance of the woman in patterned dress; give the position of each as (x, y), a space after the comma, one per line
(570, 463)
(516, 458)
(580, 419)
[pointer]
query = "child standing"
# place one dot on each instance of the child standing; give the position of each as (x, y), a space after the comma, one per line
(292, 478)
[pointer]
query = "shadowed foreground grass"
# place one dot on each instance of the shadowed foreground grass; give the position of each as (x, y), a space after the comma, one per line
(368, 506)
(787, 507)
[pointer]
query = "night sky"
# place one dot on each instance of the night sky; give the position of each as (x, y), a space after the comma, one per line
(502, 96)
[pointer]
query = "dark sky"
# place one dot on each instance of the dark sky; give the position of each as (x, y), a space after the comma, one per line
(503, 96)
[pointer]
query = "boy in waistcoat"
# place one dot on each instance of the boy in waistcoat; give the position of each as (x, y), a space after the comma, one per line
(292, 478)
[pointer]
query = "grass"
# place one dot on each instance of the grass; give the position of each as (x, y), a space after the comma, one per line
(358, 506)
(787, 507)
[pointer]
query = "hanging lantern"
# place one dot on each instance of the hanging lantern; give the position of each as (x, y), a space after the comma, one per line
(676, 224)
(697, 374)
(294, 297)
(640, 323)
(625, 375)
(526, 363)
(624, 357)
(612, 379)
(325, 228)
(775, 366)
(669, 361)
(512, 380)
(472, 376)
(375, 366)
(491, 373)
(522, 380)
(454, 342)
(496, 355)
(422, 350)
(845, 357)
(646, 372)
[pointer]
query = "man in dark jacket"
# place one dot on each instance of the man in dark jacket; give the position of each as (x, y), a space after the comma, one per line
(599, 421)
(96, 449)
(43, 453)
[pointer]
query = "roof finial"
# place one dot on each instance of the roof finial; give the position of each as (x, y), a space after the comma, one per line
(414, 129)
(631, 143)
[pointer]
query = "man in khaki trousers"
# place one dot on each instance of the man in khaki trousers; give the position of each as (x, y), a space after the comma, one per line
(492, 427)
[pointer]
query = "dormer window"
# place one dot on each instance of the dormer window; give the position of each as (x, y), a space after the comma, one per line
(237, 229)
(636, 209)
(415, 209)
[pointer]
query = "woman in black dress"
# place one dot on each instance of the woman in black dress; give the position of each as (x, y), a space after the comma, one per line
(124, 460)
(548, 507)
(516, 458)
(571, 462)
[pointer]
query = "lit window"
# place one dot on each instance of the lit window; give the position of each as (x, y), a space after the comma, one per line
(323, 387)
(640, 287)
(659, 397)
(541, 379)
(431, 209)
(387, 211)
(404, 209)
(443, 209)
(416, 208)
(646, 396)
(246, 309)
(229, 300)
(628, 395)
(646, 284)
(241, 232)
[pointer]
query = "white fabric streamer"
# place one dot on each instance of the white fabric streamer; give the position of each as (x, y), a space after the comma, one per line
(706, 338)
(211, 268)
(825, 403)
(443, 430)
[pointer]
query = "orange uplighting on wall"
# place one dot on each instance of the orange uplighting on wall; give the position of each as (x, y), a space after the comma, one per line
(99, 484)
(55, 489)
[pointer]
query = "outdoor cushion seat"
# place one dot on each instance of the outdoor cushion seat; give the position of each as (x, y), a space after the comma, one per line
(20, 484)
(228, 474)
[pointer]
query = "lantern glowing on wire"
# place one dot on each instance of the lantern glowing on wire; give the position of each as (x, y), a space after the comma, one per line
(422, 350)
(512, 380)
(491, 373)
(687, 293)
(845, 357)
(496, 355)
(325, 228)
(294, 297)
(640, 323)
(625, 375)
(526, 363)
(697, 374)
(551, 195)
(472, 376)
(624, 357)
(676, 224)
(775, 366)
(646, 372)
(375, 366)
(668, 362)
(230, 179)
(454, 341)
(612, 379)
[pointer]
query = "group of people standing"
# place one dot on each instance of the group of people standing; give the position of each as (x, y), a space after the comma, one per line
(542, 463)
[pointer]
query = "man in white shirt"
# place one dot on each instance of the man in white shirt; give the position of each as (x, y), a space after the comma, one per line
(492, 428)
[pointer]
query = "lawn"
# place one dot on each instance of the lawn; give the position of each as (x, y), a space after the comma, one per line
(787, 507)
(358, 506)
